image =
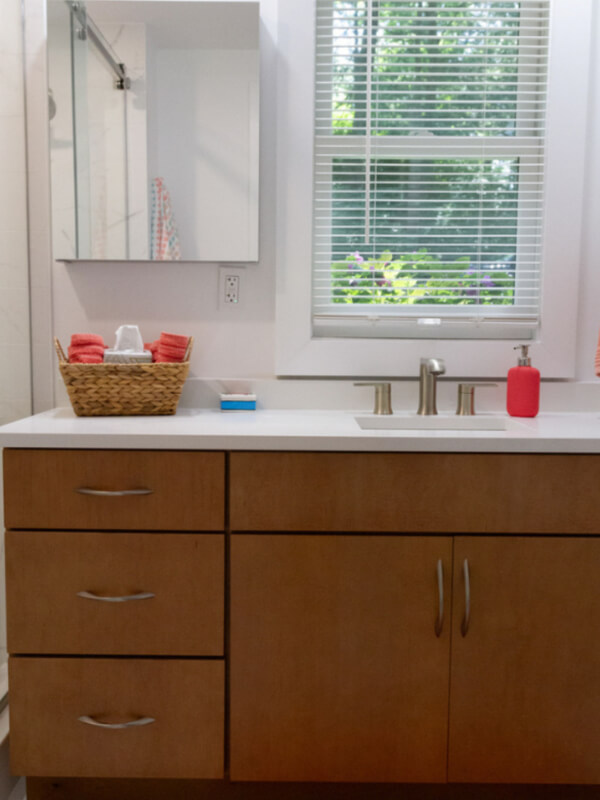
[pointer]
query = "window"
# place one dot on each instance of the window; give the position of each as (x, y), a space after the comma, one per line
(429, 153)
(446, 157)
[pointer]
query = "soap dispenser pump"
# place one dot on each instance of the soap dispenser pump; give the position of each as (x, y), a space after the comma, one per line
(523, 387)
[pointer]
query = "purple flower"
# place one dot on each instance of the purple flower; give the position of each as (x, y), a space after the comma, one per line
(470, 271)
(357, 257)
(471, 292)
(487, 282)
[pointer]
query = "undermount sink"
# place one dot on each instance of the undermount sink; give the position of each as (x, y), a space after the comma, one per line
(438, 422)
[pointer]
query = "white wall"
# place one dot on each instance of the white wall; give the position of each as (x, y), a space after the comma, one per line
(14, 286)
(589, 293)
(15, 385)
(240, 341)
(15, 363)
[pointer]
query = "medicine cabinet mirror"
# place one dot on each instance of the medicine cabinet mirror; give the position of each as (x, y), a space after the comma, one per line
(154, 127)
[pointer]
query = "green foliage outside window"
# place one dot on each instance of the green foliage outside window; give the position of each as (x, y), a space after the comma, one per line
(418, 278)
(434, 230)
(455, 51)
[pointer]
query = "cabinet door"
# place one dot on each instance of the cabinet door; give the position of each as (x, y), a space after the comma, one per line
(525, 679)
(336, 670)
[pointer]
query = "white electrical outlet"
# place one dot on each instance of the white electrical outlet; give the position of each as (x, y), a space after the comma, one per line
(231, 291)
(232, 295)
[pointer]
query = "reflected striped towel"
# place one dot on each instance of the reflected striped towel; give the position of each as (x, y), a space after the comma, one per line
(597, 361)
(164, 239)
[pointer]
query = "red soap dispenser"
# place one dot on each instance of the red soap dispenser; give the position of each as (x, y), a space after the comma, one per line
(523, 387)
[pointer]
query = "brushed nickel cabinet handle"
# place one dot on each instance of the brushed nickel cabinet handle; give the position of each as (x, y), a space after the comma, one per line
(439, 623)
(464, 628)
(115, 726)
(117, 493)
(123, 599)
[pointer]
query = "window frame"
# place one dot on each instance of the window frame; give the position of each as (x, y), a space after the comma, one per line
(298, 352)
(526, 146)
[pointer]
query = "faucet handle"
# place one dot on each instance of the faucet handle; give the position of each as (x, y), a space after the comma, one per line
(383, 396)
(466, 398)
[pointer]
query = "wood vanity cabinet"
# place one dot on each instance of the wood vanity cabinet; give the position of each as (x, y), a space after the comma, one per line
(336, 669)
(354, 651)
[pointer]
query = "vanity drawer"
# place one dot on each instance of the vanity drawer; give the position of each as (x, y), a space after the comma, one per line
(185, 699)
(415, 492)
(143, 490)
(45, 571)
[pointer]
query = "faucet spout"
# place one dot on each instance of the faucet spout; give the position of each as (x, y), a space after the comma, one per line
(429, 370)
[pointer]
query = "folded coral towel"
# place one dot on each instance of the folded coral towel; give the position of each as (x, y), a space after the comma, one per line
(90, 350)
(174, 340)
(175, 352)
(78, 339)
(85, 358)
(171, 347)
(597, 362)
(153, 347)
(86, 348)
(164, 354)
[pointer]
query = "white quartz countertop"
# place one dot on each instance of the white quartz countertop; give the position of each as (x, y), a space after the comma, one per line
(206, 429)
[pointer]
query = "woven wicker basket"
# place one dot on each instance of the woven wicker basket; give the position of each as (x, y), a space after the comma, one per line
(97, 390)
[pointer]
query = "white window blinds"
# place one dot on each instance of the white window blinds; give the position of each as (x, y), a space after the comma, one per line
(428, 170)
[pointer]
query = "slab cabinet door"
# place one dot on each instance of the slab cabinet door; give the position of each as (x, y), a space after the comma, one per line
(525, 677)
(337, 673)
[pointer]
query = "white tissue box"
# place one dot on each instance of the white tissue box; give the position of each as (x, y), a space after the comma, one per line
(127, 357)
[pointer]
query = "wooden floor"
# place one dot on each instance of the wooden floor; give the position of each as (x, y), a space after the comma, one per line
(77, 789)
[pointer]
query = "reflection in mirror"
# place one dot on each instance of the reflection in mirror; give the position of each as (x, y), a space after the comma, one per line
(153, 108)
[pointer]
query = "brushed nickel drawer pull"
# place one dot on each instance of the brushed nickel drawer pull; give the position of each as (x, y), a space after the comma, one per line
(115, 726)
(123, 599)
(439, 623)
(117, 493)
(464, 628)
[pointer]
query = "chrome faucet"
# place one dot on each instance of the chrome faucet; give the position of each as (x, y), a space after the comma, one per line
(428, 374)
